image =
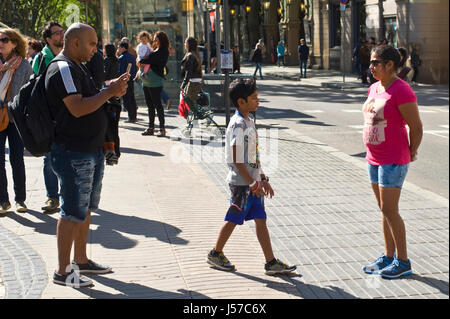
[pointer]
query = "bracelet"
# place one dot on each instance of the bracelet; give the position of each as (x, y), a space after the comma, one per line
(252, 184)
(257, 188)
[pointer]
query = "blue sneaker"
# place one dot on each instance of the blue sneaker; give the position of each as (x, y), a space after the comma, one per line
(397, 269)
(375, 267)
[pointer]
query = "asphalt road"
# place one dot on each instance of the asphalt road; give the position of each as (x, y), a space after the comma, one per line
(335, 118)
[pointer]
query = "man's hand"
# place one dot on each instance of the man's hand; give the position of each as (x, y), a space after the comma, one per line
(118, 87)
(267, 189)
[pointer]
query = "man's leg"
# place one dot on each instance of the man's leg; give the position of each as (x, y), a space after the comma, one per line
(224, 235)
(65, 233)
(262, 232)
(80, 241)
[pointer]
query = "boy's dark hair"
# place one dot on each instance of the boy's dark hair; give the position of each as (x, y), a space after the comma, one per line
(241, 89)
(46, 32)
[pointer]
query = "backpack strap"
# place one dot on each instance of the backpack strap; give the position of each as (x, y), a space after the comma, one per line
(40, 56)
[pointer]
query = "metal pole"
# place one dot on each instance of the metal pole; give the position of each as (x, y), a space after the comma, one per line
(217, 31)
(344, 41)
(208, 41)
(226, 27)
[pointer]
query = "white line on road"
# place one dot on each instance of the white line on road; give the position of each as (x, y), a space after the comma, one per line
(444, 126)
(427, 111)
(437, 133)
(352, 111)
(313, 111)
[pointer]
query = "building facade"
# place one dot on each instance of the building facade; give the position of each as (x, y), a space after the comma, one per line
(330, 32)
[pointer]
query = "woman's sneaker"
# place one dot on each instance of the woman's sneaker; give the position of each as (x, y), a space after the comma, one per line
(71, 279)
(278, 267)
(4, 207)
(218, 260)
(397, 269)
(379, 264)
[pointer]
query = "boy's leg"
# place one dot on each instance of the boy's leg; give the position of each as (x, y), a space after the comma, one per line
(264, 239)
(224, 235)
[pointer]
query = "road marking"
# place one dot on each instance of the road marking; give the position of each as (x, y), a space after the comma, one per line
(352, 111)
(444, 126)
(313, 111)
(427, 111)
(358, 127)
(437, 133)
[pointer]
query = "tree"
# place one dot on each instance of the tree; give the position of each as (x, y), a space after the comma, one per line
(30, 16)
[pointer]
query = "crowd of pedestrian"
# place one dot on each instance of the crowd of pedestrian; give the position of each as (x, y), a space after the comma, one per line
(84, 99)
(361, 61)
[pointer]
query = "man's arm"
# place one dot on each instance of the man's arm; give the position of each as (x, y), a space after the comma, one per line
(80, 106)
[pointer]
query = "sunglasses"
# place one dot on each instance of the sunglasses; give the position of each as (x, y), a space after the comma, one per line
(5, 40)
(59, 32)
(376, 62)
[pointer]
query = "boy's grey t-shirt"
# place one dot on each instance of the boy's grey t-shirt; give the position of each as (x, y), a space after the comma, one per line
(242, 133)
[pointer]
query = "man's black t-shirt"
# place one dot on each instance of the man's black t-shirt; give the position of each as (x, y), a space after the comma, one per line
(83, 134)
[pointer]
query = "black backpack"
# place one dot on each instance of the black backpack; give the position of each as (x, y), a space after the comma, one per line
(31, 114)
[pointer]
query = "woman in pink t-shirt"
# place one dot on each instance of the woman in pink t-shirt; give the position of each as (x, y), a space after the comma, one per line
(390, 106)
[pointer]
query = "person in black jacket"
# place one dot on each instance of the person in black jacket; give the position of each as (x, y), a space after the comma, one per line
(153, 82)
(111, 72)
(191, 71)
(95, 66)
(111, 63)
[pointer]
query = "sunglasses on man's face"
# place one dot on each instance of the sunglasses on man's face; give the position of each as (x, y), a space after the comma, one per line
(59, 32)
(5, 40)
(376, 62)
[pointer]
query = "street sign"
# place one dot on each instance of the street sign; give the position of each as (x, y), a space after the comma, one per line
(226, 61)
(343, 6)
(343, 1)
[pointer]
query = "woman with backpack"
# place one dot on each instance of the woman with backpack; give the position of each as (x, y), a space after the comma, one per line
(191, 71)
(15, 71)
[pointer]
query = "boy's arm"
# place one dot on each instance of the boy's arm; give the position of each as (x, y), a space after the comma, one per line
(246, 175)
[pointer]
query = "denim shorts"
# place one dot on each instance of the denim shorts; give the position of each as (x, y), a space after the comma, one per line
(392, 175)
(244, 205)
(80, 176)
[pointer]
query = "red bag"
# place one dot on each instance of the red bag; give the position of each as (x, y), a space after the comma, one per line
(183, 108)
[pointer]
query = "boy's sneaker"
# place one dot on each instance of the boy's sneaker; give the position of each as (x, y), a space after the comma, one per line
(397, 269)
(71, 279)
(218, 260)
(375, 267)
(4, 207)
(51, 205)
(278, 267)
(91, 268)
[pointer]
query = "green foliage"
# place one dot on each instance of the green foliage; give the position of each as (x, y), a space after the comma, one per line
(30, 16)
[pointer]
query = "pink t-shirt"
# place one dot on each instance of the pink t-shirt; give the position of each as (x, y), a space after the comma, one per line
(385, 134)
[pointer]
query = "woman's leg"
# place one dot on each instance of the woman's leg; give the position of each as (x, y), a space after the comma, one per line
(155, 94)
(389, 199)
(3, 178)
(17, 163)
(150, 106)
(389, 243)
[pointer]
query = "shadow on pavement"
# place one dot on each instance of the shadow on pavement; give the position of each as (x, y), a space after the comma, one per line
(441, 285)
(110, 229)
(139, 152)
(318, 292)
(136, 291)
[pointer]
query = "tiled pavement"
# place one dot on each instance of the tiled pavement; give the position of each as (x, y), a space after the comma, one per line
(159, 216)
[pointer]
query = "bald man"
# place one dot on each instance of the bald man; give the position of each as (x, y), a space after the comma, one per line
(77, 152)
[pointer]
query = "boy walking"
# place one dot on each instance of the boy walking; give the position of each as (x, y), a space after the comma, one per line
(248, 184)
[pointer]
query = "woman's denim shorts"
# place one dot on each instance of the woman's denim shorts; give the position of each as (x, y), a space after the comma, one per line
(80, 176)
(392, 175)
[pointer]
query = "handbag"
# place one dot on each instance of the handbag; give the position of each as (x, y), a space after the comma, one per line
(4, 117)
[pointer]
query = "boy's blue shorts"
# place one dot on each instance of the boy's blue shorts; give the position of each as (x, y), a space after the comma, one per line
(244, 205)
